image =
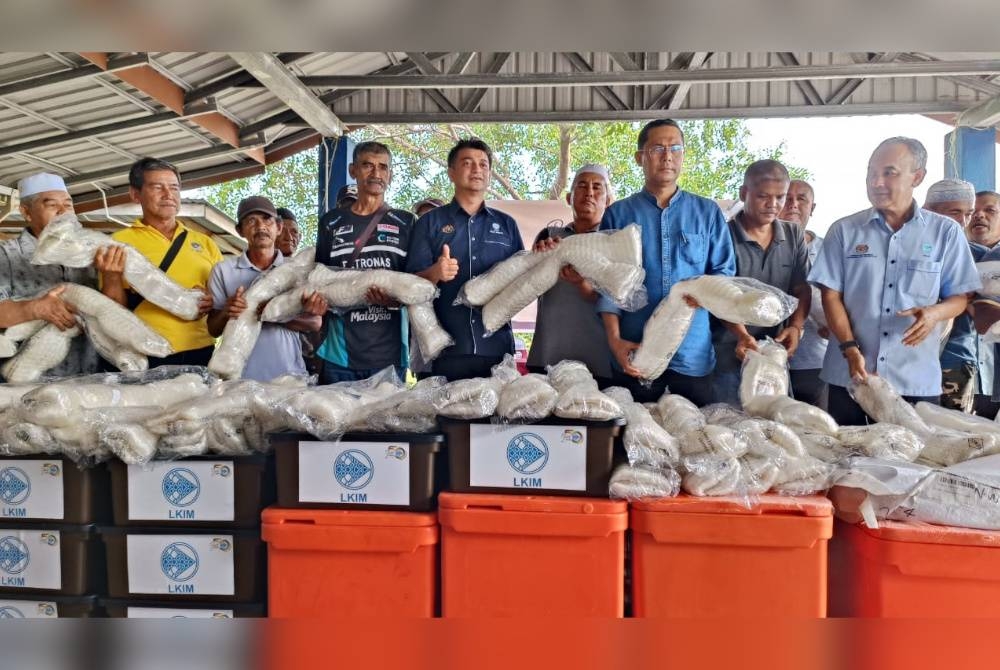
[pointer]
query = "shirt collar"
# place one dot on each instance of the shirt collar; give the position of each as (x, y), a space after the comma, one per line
(456, 209)
(779, 230)
(919, 216)
(138, 223)
(27, 240)
(650, 198)
(243, 261)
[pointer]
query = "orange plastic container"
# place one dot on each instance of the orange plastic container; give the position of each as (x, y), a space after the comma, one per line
(708, 557)
(914, 570)
(506, 556)
(350, 563)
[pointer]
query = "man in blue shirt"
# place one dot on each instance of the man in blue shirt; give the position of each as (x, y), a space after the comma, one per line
(890, 276)
(452, 244)
(683, 236)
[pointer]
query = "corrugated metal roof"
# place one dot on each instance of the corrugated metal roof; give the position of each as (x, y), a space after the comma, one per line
(194, 106)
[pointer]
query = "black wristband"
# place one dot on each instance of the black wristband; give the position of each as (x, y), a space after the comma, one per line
(849, 344)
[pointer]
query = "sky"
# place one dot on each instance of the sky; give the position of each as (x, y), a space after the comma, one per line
(836, 151)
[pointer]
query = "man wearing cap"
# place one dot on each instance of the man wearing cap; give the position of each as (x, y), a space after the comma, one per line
(184, 254)
(459, 241)
(366, 235)
(567, 326)
(288, 239)
(347, 194)
(771, 251)
(278, 350)
(29, 292)
(805, 366)
(683, 236)
(890, 276)
(427, 204)
(966, 363)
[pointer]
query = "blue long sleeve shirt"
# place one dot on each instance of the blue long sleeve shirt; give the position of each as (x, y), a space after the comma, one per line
(686, 239)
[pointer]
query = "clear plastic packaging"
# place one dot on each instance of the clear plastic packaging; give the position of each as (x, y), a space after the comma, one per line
(793, 413)
(765, 371)
(410, 411)
(824, 447)
(739, 299)
(347, 288)
(42, 351)
(481, 289)
(586, 404)
(989, 275)
(527, 398)
(942, 418)
(520, 293)
(947, 447)
(718, 442)
(758, 474)
(113, 352)
(645, 441)
(431, 337)
(22, 331)
(880, 401)
(239, 337)
(804, 476)
(65, 242)
(679, 415)
(566, 374)
(8, 347)
(882, 440)
(710, 476)
(630, 482)
(117, 322)
(475, 398)
(662, 335)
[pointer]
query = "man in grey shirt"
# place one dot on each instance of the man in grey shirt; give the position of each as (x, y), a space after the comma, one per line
(29, 292)
(568, 326)
(278, 350)
(769, 250)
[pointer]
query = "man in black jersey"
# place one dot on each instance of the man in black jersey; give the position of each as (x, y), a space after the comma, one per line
(365, 235)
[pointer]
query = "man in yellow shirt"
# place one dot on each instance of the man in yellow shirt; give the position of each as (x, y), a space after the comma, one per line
(156, 186)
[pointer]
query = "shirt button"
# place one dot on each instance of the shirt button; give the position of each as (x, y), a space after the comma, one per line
(473, 239)
(885, 334)
(887, 311)
(890, 285)
(882, 359)
(892, 261)
(473, 258)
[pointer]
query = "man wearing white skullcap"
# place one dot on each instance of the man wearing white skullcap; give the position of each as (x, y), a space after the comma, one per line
(966, 361)
(29, 292)
(567, 326)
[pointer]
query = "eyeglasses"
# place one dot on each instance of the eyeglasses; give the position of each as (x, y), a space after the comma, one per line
(658, 150)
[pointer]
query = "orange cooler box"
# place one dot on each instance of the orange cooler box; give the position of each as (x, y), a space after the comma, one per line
(707, 557)
(914, 570)
(507, 556)
(348, 563)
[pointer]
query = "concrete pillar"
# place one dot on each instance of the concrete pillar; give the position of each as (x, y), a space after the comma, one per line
(334, 157)
(971, 154)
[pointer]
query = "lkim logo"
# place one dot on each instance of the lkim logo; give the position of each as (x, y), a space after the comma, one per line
(181, 487)
(14, 555)
(179, 562)
(527, 453)
(353, 469)
(15, 486)
(11, 613)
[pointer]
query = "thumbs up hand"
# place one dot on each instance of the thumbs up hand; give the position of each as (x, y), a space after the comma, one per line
(446, 267)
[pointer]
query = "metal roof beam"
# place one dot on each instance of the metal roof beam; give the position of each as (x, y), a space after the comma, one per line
(983, 115)
(476, 97)
(234, 79)
(581, 65)
(462, 63)
(63, 76)
(425, 66)
(169, 94)
(932, 107)
(664, 77)
(673, 96)
(805, 86)
(848, 88)
(289, 89)
(289, 116)
(698, 59)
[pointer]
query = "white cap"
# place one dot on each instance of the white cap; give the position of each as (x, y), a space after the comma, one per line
(951, 190)
(592, 168)
(39, 183)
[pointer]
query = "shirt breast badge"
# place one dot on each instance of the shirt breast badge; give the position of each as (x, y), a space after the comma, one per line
(196, 246)
(447, 228)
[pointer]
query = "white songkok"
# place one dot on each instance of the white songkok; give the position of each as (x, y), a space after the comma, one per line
(951, 190)
(592, 168)
(39, 183)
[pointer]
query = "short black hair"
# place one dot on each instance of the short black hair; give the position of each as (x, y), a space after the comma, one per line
(139, 168)
(658, 123)
(370, 147)
(765, 169)
(470, 143)
(285, 213)
(993, 193)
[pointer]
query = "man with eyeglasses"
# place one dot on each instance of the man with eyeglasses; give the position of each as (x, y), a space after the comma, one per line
(683, 236)
(278, 350)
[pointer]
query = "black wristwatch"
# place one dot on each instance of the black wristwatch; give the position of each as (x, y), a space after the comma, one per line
(849, 344)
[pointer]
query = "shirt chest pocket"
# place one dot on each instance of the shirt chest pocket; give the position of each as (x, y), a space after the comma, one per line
(922, 281)
(692, 249)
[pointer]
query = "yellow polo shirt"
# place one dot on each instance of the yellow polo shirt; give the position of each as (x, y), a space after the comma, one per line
(190, 269)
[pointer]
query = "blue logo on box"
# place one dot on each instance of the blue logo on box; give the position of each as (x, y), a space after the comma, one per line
(14, 555)
(353, 469)
(15, 486)
(179, 562)
(181, 487)
(527, 453)
(11, 613)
